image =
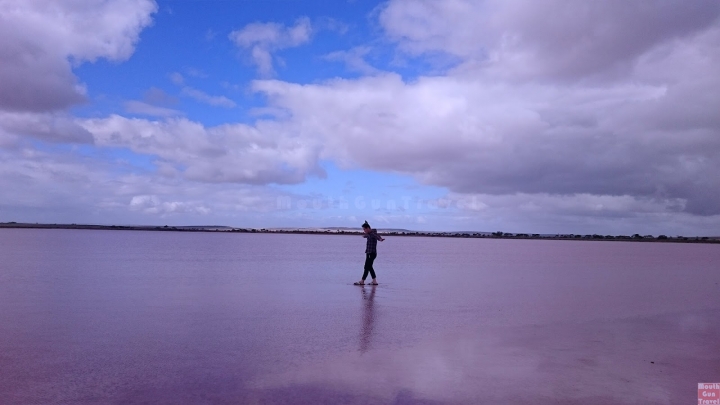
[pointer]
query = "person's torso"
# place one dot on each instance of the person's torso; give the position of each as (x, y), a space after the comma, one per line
(371, 245)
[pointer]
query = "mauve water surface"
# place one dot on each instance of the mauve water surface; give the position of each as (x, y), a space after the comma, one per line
(125, 317)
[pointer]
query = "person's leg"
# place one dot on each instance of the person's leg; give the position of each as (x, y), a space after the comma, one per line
(369, 265)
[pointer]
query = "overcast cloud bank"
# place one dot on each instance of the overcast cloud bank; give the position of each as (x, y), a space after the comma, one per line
(553, 112)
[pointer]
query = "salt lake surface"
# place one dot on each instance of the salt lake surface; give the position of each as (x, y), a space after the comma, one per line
(124, 317)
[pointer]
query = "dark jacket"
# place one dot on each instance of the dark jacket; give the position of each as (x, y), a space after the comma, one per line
(372, 238)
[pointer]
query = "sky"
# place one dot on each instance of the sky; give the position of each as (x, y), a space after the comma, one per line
(537, 116)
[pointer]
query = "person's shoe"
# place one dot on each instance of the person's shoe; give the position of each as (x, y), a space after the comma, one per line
(374, 282)
(361, 282)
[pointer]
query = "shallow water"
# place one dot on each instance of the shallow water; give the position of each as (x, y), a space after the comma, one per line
(125, 317)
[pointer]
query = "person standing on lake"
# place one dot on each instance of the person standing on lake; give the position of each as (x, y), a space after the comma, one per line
(370, 253)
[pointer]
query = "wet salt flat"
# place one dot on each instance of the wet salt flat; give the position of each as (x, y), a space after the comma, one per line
(116, 317)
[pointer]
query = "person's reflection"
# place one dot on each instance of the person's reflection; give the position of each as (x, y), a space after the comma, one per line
(368, 318)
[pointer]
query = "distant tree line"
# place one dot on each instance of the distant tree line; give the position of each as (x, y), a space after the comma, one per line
(496, 235)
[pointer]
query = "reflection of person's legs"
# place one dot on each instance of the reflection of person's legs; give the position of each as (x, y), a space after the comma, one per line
(368, 319)
(369, 259)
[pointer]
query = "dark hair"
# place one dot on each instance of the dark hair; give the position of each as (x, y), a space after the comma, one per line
(366, 225)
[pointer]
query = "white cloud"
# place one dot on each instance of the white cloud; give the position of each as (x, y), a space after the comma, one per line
(576, 204)
(491, 126)
(262, 39)
(65, 187)
(151, 204)
(51, 127)
(40, 41)
(201, 96)
(595, 112)
(233, 153)
(580, 214)
(548, 39)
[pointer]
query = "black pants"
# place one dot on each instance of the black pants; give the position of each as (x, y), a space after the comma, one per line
(369, 259)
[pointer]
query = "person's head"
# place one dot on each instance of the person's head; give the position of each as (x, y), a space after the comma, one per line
(366, 227)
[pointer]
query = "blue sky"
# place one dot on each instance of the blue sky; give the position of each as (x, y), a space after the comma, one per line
(457, 115)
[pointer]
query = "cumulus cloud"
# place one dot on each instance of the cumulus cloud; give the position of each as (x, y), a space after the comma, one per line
(553, 109)
(65, 187)
(51, 127)
(624, 105)
(151, 204)
(41, 40)
(232, 153)
(262, 39)
(569, 205)
(558, 39)
(578, 213)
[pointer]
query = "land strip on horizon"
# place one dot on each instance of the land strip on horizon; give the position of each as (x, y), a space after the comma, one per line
(353, 231)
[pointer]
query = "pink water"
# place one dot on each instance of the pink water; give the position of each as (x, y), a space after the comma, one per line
(121, 317)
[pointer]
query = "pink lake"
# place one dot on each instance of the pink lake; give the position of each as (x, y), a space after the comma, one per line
(125, 317)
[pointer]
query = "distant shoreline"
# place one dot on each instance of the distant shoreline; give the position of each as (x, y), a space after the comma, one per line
(348, 231)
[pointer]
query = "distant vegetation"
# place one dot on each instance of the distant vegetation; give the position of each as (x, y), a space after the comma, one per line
(350, 231)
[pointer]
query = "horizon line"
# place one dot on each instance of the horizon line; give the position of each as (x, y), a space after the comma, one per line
(557, 234)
